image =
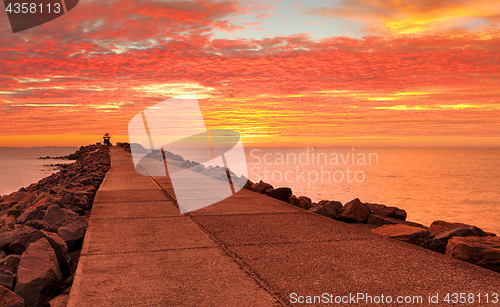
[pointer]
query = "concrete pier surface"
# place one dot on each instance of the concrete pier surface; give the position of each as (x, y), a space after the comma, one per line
(250, 250)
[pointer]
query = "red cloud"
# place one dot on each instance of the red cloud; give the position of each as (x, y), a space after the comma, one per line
(84, 78)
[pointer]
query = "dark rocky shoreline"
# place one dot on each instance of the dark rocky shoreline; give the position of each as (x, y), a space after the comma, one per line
(42, 230)
(461, 241)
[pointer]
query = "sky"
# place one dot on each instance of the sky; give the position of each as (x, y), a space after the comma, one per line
(320, 73)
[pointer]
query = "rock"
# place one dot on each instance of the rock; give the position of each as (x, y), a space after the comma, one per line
(378, 220)
(17, 197)
(409, 234)
(8, 270)
(7, 205)
(268, 189)
(7, 279)
(10, 263)
(439, 242)
(374, 219)
(294, 201)
(248, 185)
(304, 202)
(55, 214)
(7, 236)
(38, 276)
(261, 187)
(15, 211)
(19, 245)
(482, 251)
(59, 247)
(329, 209)
(354, 211)
(9, 298)
(438, 227)
(86, 180)
(59, 301)
(77, 210)
(73, 231)
(37, 224)
(8, 221)
(34, 212)
(2, 255)
(282, 194)
(382, 210)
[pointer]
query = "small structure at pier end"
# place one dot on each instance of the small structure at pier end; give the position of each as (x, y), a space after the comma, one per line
(106, 138)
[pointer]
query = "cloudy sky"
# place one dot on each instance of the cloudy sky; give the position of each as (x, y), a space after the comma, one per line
(283, 73)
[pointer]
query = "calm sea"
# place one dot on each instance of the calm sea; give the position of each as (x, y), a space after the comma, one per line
(20, 167)
(456, 185)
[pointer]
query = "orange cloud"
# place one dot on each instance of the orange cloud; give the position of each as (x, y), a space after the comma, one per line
(76, 77)
(251, 24)
(412, 16)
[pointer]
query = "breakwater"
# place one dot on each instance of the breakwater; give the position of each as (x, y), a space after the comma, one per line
(43, 226)
(458, 240)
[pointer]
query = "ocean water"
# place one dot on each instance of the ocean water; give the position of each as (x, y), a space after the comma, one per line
(20, 167)
(455, 185)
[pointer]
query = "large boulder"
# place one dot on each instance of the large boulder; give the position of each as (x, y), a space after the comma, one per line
(439, 242)
(305, 202)
(329, 209)
(74, 199)
(261, 187)
(282, 194)
(59, 247)
(9, 298)
(378, 220)
(438, 227)
(382, 210)
(248, 185)
(19, 235)
(354, 211)
(409, 234)
(38, 276)
(22, 198)
(19, 245)
(73, 231)
(482, 251)
(37, 210)
(54, 214)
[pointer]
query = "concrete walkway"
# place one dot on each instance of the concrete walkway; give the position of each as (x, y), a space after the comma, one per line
(247, 250)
